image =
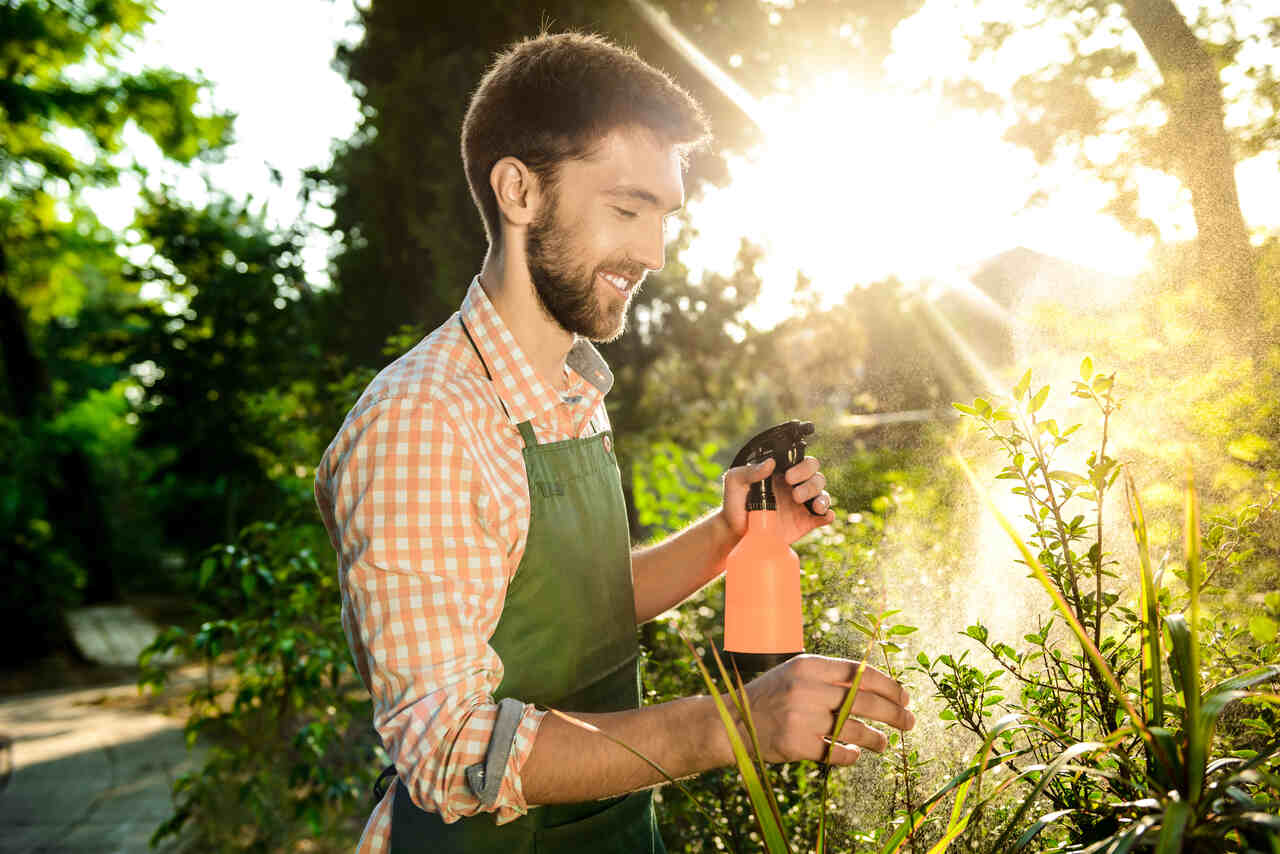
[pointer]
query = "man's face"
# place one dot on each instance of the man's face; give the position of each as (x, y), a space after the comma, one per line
(600, 230)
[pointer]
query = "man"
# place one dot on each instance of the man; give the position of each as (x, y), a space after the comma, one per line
(475, 505)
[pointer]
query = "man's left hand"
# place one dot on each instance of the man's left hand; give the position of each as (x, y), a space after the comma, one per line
(791, 489)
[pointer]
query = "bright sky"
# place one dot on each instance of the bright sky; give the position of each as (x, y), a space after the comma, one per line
(851, 187)
(269, 63)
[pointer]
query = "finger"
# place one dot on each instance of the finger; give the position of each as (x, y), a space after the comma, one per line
(843, 754)
(841, 672)
(822, 506)
(802, 471)
(809, 488)
(742, 476)
(865, 705)
(856, 732)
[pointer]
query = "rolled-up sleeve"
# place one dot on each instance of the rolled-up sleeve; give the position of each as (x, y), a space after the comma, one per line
(423, 569)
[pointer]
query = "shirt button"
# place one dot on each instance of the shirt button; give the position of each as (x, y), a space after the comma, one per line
(608, 444)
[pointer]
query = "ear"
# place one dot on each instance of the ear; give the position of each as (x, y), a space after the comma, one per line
(516, 189)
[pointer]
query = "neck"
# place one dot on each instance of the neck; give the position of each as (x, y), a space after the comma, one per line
(505, 279)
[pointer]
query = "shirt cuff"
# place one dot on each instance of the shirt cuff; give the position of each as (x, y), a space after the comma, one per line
(511, 800)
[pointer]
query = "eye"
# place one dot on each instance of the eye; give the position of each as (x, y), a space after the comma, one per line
(624, 213)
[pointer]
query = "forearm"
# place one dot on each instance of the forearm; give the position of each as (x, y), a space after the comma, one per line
(568, 764)
(666, 574)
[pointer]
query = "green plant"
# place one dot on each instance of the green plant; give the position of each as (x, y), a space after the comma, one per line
(291, 757)
(1123, 764)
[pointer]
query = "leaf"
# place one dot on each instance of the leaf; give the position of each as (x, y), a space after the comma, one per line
(1038, 401)
(1034, 830)
(1070, 478)
(1263, 628)
(1176, 816)
(1086, 369)
(1023, 384)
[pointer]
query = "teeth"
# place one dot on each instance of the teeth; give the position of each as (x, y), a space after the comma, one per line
(617, 281)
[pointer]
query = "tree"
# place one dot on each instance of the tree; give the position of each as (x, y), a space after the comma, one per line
(239, 324)
(1159, 101)
(412, 238)
(61, 89)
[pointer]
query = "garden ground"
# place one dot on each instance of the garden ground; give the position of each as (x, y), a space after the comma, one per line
(90, 769)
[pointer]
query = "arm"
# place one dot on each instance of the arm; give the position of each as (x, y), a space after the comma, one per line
(666, 574)
(422, 577)
(793, 707)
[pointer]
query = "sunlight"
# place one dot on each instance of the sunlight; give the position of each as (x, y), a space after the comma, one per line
(853, 187)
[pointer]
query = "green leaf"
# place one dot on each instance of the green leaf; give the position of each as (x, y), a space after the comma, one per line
(1021, 388)
(1038, 401)
(1263, 628)
(1086, 369)
(1176, 816)
(1070, 478)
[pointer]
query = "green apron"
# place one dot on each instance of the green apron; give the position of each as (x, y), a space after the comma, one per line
(567, 639)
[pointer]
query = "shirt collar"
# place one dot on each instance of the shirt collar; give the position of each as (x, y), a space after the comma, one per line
(525, 393)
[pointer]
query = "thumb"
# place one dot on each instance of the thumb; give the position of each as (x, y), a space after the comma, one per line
(738, 479)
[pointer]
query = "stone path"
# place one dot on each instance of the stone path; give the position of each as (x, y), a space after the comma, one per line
(91, 769)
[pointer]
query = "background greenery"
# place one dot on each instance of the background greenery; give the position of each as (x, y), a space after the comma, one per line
(163, 449)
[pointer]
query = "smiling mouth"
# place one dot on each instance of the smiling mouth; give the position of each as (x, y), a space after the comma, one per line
(619, 281)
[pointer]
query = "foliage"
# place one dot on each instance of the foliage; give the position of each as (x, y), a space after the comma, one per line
(1118, 759)
(65, 105)
(221, 357)
(292, 756)
(1131, 89)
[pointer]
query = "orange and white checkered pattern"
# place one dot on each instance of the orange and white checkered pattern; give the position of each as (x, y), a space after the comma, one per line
(425, 497)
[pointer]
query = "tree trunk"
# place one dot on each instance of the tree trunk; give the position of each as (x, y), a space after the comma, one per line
(28, 381)
(1202, 152)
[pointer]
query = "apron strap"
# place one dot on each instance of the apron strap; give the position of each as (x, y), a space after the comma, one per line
(485, 365)
(526, 433)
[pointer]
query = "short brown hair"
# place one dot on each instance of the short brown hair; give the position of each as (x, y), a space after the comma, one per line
(552, 98)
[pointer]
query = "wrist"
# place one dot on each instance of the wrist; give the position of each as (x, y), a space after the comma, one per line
(714, 732)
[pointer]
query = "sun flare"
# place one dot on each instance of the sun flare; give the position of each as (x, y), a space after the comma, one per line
(853, 187)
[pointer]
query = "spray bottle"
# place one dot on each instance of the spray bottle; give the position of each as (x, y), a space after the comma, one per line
(762, 609)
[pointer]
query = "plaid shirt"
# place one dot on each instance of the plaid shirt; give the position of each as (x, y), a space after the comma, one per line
(425, 497)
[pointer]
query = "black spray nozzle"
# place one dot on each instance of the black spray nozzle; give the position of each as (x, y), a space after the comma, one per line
(785, 443)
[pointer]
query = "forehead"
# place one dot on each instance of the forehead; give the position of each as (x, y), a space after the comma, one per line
(634, 161)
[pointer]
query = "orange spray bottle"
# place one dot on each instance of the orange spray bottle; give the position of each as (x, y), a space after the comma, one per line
(763, 623)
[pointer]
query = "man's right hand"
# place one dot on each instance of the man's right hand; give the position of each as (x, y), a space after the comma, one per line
(794, 707)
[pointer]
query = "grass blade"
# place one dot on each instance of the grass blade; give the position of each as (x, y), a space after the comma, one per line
(771, 831)
(1034, 830)
(1176, 816)
(894, 843)
(1197, 745)
(1149, 611)
(846, 708)
(757, 754)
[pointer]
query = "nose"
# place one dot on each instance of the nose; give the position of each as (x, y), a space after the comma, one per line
(652, 251)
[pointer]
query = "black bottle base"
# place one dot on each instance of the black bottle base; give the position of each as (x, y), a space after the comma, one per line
(750, 664)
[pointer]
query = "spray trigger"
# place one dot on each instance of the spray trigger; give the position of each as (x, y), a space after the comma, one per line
(785, 444)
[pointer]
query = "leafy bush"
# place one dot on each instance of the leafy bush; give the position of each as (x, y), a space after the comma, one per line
(292, 753)
(1122, 763)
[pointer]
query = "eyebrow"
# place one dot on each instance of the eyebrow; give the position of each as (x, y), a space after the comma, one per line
(640, 194)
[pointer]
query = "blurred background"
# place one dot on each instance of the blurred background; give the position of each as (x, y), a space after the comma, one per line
(218, 221)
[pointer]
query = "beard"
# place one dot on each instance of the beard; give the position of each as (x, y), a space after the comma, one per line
(568, 293)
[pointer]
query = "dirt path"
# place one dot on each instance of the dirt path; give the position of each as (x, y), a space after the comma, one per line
(91, 769)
